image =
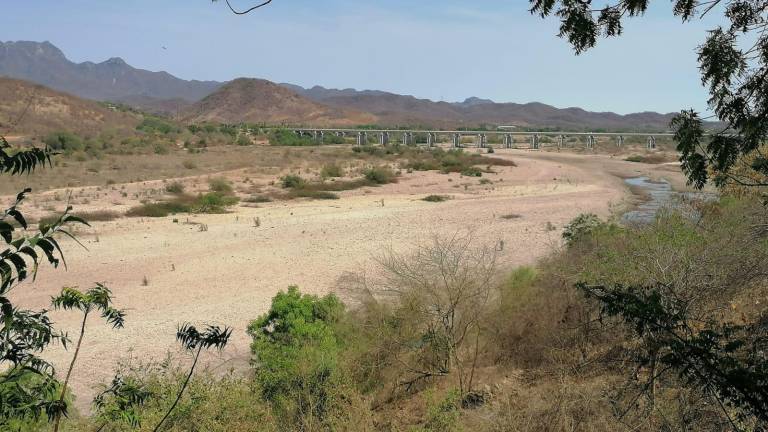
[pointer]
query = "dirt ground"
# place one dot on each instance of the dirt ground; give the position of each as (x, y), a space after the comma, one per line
(221, 269)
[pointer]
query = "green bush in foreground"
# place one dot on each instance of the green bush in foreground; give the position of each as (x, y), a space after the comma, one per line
(296, 349)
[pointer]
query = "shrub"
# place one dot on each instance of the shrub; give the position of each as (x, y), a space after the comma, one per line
(188, 164)
(257, 199)
(380, 175)
(285, 137)
(331, 170)
(436, 198)
(175, 188)
(296, 349)
(580, 227)
(655, 158)
(159, 209)
(243, 140)
(323, 195)
(220, 185)
(155, 124)
(443, 414)
(292, 181)
(211, 403)
(213, 202)
(472, 172)
(64, 141)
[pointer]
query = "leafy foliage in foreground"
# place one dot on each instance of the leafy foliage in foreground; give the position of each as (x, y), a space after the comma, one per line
(726, 361)
(296, 349)
(734, 65)
(28, 388)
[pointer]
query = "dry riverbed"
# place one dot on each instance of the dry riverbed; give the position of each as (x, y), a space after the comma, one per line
(222, 269)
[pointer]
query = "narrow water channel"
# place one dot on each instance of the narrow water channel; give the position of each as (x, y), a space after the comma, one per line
(660, 195)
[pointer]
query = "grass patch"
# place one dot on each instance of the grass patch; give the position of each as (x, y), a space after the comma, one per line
(455, 160)
(301, 188)
(314, 194)
(211, 202)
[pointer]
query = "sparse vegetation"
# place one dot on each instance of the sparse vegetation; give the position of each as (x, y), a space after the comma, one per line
(331, 170)
(292, 181)
(654, 158)
(220, 185)
(285, 137)
(175, 188)
(380, 175)
(436, 198)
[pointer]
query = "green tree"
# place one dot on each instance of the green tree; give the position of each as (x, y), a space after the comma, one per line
(733, 61)
(28, 386)
(98, 298)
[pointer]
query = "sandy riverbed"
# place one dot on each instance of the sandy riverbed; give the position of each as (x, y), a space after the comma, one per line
(228, 274)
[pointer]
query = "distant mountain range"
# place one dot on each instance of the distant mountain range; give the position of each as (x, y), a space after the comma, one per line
(160, 92)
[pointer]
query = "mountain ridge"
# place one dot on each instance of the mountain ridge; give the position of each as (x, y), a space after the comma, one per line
(160, 92)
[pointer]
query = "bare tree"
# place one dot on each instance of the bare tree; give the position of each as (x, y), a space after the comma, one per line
(433, 301)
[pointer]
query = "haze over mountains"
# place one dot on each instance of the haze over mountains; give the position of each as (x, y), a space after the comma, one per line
(263, 101)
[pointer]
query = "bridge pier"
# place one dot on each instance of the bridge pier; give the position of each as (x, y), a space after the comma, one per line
(481, 141)
(431, 139)
(508, 141)
(362, 138)
(384, 138)
(591, 142)
(619, 140)
(651, 142)
(560, 141)
(535, 144)
(456, 140)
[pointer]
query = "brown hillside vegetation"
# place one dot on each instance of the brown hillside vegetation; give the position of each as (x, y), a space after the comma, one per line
(261, 101)
(29, 108)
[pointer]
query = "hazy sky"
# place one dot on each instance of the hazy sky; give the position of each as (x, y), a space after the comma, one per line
(441, 50)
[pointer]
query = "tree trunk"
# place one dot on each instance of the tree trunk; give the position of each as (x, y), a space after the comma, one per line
(71, 367)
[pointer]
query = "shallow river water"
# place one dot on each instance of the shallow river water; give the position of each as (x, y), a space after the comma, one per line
(660, 195)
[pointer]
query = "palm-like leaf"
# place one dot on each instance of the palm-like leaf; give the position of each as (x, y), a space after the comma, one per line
(22, 161)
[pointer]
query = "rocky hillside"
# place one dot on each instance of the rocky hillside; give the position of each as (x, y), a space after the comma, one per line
(27, 108)
(260, 101)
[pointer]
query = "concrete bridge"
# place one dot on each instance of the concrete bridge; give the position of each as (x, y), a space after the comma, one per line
(455, 138)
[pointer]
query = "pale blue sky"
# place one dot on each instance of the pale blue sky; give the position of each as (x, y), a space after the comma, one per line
(441, 50)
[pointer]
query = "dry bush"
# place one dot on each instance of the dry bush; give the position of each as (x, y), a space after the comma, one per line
(421, 314)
